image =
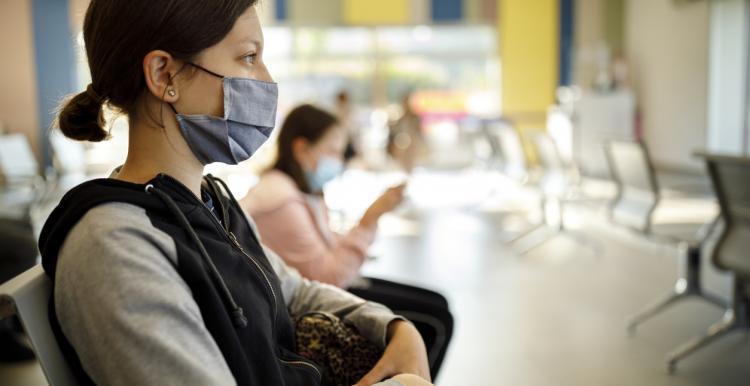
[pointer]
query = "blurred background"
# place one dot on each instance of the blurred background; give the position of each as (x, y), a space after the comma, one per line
(555, 159)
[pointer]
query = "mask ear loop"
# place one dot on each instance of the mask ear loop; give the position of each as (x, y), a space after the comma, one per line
(206, 70)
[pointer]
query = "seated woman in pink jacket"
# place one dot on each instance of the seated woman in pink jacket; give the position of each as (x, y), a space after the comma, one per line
(289, 209)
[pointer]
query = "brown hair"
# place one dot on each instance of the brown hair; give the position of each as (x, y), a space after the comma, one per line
(305, 121)
(118, 35)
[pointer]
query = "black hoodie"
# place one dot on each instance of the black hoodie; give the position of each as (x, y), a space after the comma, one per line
(222, 261)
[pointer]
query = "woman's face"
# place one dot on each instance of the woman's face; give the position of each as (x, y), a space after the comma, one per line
(239, 54)
(332, 145)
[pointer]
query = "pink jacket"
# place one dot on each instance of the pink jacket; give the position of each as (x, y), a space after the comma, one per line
(295, 226)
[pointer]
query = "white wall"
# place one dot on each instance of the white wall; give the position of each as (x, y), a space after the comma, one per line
(18, 88)
(589, 37)
(667, 46)
(728, 77)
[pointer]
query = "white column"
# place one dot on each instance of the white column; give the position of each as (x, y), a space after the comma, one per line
(728, 77)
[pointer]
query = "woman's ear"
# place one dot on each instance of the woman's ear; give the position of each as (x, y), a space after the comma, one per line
(159, 70)
(301, 152)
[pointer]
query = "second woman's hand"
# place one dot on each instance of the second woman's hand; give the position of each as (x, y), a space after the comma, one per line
(387, 202)
(405, 354)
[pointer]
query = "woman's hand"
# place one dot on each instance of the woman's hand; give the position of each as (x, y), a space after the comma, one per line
(387, 202)
(405, 354)
(411, 380)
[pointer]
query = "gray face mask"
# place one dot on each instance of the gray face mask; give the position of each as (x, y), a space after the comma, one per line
(249, 118)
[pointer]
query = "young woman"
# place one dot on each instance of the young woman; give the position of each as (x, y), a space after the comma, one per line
(159, 277)
(290, 211)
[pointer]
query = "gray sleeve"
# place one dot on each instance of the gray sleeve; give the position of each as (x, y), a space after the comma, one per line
(302, 295)
(126, 310)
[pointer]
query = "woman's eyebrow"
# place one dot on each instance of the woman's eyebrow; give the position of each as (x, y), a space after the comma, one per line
(251, 41)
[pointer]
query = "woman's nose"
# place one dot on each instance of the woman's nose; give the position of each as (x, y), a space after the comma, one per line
(264, 75)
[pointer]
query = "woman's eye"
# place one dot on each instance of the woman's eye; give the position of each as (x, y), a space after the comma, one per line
(250, 59)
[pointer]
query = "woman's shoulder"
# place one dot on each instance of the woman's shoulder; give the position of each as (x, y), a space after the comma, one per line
(114, 233)
(274, 190)
(278, 179)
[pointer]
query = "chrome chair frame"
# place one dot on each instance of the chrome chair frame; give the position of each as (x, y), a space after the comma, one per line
(644, 196)
(731, 253)
(558, 184)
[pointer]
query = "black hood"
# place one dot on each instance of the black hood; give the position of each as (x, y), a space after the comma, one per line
(79, 200)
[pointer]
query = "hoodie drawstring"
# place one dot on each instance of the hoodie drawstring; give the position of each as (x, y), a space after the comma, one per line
(223, 207)
(238, 315)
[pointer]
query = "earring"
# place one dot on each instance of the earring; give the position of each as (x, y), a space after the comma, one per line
(171, 92)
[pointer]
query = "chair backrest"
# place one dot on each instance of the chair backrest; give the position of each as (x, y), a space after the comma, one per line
(547, 153)
(70, 155)
(730, 177)
(17, 160)
(28, 296)
(555, 181)
(637, 188)
(511, 148)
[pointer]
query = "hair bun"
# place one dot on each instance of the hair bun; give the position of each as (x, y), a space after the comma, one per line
(82, 117)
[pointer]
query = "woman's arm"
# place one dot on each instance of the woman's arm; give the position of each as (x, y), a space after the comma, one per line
(302, 295)
(291, 231)
(404, 349)
(125, 309)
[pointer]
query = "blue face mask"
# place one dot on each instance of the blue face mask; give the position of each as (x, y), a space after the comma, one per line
(249, 118)
(328, 169)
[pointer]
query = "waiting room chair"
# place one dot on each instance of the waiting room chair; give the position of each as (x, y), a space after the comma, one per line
(730, 177)
(558, 183)
(638, 196)
(17, 160)
(28, 296)
(69, 160)
(507, 142)
(22, 183)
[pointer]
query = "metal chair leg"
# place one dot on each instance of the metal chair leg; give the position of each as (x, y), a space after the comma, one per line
(588, 242)
(528, 232)
(653, 309)
(559, 230)
(572, 235)
(534, 228)
(735, 318)
(539, 242)
(687, 285)
(728, 323)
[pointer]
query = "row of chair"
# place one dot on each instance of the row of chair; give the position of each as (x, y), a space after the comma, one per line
(556, 181)
(634, 207)
(26, 189)
(637, 199)
(24, 184)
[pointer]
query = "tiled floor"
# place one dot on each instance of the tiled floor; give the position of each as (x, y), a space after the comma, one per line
(553, 317)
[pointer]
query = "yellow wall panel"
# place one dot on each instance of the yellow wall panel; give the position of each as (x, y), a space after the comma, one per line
(529, 49)
(529, 41)
(376, 11)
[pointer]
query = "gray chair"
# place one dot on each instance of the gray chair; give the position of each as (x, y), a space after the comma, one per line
(730, 177)
(28, 296)
(69, 161)
(17, 162)
(22, 185)
(557, 183)
(507, 143)
(638, 196)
